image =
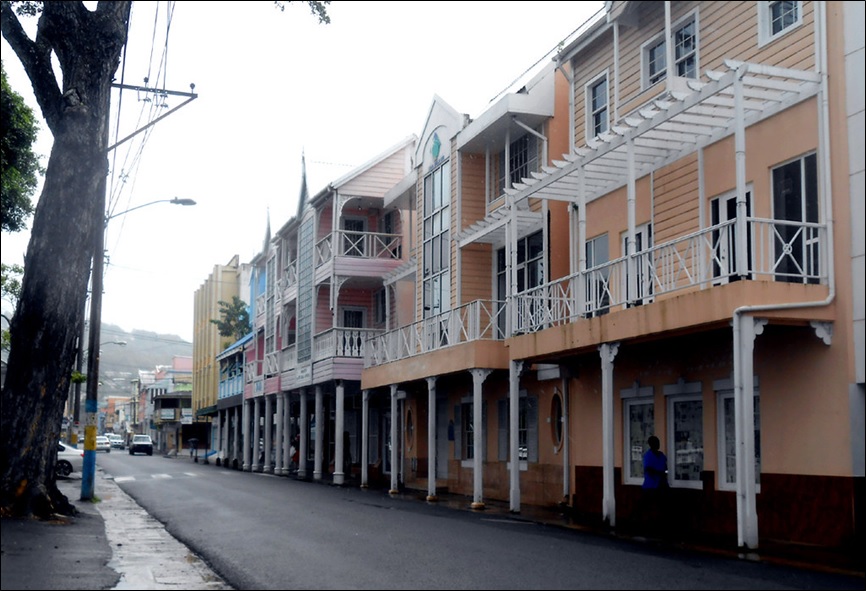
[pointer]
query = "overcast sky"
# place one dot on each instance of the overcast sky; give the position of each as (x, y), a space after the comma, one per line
(270, 85)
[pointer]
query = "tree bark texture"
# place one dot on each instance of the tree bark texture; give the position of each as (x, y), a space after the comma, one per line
(69, 213)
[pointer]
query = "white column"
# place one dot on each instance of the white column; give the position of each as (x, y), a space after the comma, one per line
(744, 428)
(608, 352)
(257, 433)
(237, 413)
(478, 435)
(304, 424)
(431, 439)
(278, 441)
(269, 433)
(339, 436)
(566, 461)
(320, 431)
(394, 443)
(514, 370)
(365, 438)
(245, 425)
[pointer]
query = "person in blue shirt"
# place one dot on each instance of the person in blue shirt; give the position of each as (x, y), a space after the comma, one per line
(655, 485)
(655, 465)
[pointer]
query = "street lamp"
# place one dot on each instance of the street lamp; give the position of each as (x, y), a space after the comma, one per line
(88, 471)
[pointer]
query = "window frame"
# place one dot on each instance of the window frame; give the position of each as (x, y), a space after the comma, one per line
(725, 391)
(765, 22)
(631, 397)
(436, 213)
(526, 149)
(683, 392)
(648, 79)
(590, 126)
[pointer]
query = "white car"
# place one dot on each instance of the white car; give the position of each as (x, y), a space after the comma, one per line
(116, 441)
(103, 444)
(69, 459)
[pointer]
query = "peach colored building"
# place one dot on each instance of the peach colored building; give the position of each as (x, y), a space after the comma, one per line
(659, 234)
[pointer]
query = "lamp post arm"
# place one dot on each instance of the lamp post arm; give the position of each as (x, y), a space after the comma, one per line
(175, 201)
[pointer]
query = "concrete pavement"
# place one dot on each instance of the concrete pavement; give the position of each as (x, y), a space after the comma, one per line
(110, 544)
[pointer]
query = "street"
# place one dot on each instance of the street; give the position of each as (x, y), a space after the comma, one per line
(267, 532)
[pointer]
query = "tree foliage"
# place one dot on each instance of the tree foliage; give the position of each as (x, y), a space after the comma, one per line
(86, 44)
(234, 319)
(19, 165)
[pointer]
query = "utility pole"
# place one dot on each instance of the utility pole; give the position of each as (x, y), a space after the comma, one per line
(88, 473)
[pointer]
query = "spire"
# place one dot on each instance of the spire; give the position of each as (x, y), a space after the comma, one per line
(302, 200)
(267, 233)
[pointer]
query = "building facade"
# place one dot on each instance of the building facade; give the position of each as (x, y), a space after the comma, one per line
(653, 237)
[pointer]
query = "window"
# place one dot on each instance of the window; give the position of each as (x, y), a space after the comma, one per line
(522, 160)
(464, 430)
(641, 289)
(597, 107)
(685, 433)
(728, 441)
(777, 18)
(380, 306)
(353, 317)
(556, 419)
(530, 274)
(597, 279)
(527, 428)
(723, 216)
(638, 411)
(437, 241)
(795, 199)
(684, 37)
(467, 432)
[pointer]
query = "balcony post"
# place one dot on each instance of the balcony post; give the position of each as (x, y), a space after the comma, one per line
(608, 352)
(339, 436)
(305, 434)
(515, 368)
(478, 435)
(320, 432)
(394, 442)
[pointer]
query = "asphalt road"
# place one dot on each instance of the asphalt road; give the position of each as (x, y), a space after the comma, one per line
(267, 532)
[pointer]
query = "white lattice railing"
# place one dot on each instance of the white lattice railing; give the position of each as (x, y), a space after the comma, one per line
(778, 250)
(477, 320)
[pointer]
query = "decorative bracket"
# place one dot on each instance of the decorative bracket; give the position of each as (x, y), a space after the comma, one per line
(823, 330)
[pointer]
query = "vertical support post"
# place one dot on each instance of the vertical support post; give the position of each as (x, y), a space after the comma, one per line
(268, 464)
(245, 425)
(478, 435)
(257, 434)
(607, 352)
(395, 416)
(320, 435)
(304, 424)
(282, 439)
(339, 436)
(365, 438)
(431, 439)
(514, 370)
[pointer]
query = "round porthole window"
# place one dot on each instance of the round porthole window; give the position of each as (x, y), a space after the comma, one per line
(410, 429)
(556, 420)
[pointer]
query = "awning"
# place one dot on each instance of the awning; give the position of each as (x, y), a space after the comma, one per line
(207, 411)
(491, 229)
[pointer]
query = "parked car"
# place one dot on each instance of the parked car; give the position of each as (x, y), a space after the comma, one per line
(103, 444)
(141, 443)
(116, 440)
(69, 459)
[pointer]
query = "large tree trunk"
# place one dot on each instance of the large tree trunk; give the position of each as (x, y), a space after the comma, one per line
(69, 213)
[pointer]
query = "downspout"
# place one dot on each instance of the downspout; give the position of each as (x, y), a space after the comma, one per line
(749, 536)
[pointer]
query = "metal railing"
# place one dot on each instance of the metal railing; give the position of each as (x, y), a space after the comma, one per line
(477, 320)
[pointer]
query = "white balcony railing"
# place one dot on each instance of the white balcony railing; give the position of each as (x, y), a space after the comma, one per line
(341, 342)
(369, 245)
(477, 320)
(775, 249)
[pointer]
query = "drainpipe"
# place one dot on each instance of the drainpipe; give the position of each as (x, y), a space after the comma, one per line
(747, 533)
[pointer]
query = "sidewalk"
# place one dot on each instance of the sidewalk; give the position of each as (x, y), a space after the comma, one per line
(110, 544)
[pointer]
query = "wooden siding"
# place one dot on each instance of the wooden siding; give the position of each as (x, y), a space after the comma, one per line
(675, 200)
(326, 216)
(472, 195)
(477, 273)
(324, 318)
(380, 178)
(726, 30)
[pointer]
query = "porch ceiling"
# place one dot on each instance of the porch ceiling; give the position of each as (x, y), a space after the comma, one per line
(665, 130)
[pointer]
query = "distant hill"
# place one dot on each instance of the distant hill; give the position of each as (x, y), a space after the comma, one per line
(144, 350)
